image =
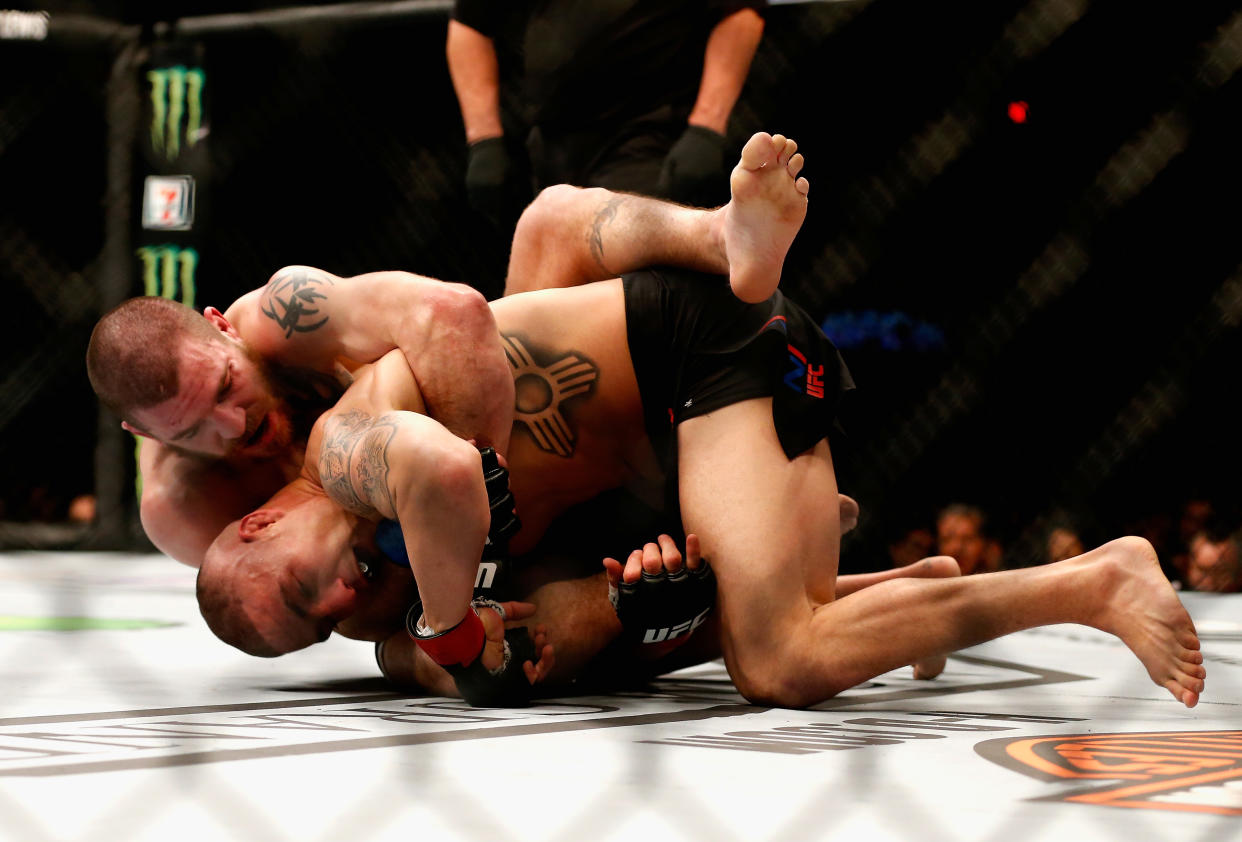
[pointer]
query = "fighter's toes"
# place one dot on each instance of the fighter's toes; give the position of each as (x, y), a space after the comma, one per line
(795, 165)
(929, 668)
(803, 186)
(787, 153)
(759, 151)
(1193, 670)
(1186, 695)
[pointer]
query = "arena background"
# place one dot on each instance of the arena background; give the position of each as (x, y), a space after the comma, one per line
(1041, 315)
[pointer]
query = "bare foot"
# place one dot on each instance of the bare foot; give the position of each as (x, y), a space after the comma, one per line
(764, 214)
(849, 512)
(934, 567)
(928, 668)
(1141, 607)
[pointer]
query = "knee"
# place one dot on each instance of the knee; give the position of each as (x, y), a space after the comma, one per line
(547, 210)
(781, 679)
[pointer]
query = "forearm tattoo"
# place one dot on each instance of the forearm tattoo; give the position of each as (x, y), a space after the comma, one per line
(542, 390)
(289, 299)
(353, 462)
(595, 238)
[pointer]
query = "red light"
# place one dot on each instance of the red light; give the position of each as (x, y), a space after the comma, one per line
(1018, 111)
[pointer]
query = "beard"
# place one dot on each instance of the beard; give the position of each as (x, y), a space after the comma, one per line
(300, 396)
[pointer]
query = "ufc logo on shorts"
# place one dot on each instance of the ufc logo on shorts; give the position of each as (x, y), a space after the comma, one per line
(814, 385)
(671, 633)
(486, 577)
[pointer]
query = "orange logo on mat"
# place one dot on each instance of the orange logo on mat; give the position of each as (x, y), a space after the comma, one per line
(1191, 771)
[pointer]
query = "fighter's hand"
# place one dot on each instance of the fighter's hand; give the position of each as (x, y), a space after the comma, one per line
(660, 596)
(539, 669)
(494, 645)
(494, 629)
(655, 559)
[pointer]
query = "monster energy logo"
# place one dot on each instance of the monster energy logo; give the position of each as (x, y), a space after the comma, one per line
(176, 98)
(168, 271)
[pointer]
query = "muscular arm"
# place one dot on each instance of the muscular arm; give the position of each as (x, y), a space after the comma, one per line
(726, 63)
(307, 317)
(476, 80)
(187, 501)
(377, 456)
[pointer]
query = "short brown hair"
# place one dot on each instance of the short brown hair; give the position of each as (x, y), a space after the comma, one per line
(132, 356)
(219, 601)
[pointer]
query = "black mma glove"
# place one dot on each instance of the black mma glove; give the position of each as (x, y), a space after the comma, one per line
(505, 522)
(493, 578)
(694, 171)
(459, 651)
(666, 606)
(489, 179)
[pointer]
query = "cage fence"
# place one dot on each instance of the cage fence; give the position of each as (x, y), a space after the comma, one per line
(1032, 308)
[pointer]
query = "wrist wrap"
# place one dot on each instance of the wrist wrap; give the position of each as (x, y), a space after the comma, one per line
(460, 645)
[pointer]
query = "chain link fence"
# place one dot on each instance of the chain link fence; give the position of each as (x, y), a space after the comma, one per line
(1039, 313)
(1042, 315)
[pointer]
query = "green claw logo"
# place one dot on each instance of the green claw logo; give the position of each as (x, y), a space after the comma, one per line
(168, 271)
(176, 108)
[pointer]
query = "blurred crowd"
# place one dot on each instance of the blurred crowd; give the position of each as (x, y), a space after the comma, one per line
(1199, 542)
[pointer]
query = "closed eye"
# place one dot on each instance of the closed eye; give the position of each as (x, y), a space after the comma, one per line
(226, 383)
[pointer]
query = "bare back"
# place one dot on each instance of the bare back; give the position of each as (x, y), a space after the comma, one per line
(578, 426)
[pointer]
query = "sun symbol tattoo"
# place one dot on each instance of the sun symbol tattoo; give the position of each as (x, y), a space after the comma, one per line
(541, 390)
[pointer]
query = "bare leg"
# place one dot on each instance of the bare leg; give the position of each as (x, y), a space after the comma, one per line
(755, 514)
(934, 567)
(570, 236)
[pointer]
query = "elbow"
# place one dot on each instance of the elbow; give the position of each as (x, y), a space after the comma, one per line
(459, 473)
(464, 307)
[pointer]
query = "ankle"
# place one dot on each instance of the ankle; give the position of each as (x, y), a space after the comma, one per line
(714, 223)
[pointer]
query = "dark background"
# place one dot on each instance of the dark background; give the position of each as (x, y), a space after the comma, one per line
(1040, 316)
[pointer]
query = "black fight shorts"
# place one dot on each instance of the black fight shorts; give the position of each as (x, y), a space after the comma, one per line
(696, 348)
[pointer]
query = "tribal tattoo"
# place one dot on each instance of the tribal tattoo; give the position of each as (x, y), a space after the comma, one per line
(541, 390)
(353, 463)
(289, 299)
(595, 238)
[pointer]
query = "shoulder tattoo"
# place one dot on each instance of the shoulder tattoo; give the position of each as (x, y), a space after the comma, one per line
(353, 462)
(290, 299)
(542, 390)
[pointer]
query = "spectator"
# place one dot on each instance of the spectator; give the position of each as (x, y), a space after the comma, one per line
(914, 544)
(1213, 562)
(1062, 540)
(961, 533)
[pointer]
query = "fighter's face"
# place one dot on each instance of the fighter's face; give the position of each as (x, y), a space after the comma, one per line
(224, 407)
(304, 578)
(318, 572)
